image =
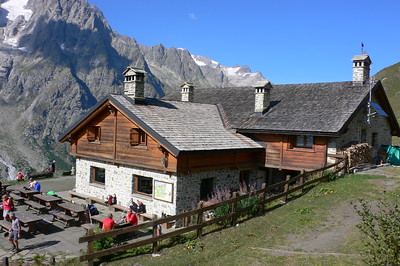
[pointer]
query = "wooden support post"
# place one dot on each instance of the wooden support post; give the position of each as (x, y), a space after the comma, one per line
(286, 188)
(346, 164)
(155, 233)
(6, 261)
(303, 173)
(262, 198)
(234, 209)
(200, 220)
(90, 247)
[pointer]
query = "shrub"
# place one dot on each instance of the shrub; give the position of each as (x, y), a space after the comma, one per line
(382, 228)
(103, 243)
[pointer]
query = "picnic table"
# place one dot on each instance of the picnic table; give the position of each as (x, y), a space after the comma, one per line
(29, 219)
(27, 193)
(3, 187)
(75, 208)
(48, 199)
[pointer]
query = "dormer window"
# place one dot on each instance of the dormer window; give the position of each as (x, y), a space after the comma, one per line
(138, 137)
(93, 133)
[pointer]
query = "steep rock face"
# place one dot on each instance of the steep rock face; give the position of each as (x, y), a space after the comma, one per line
(57, 59)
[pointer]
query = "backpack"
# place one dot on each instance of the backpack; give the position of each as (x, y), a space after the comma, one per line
(92, 209)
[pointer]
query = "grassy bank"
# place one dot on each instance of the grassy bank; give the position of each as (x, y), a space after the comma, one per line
(317, 228)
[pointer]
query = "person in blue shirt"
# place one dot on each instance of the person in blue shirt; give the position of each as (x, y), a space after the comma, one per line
(36, 186)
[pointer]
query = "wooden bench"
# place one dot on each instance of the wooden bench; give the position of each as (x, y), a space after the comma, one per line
(89, 200)
(90, 226)
(44, 224)
(116, 207)
(145, 216)
(35, 205)
(62, 217)
(18, 199)
(5, 225)
(74, 194)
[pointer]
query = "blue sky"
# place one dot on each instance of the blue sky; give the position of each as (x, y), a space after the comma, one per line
(288, 41)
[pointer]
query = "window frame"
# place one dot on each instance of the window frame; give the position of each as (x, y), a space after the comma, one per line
(307, 145)
(93, 133)
(95, 173)
(137, 137)
(137, 184)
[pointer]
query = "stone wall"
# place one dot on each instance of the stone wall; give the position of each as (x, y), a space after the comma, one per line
(120, 180)
(378, 124)
(189, 185)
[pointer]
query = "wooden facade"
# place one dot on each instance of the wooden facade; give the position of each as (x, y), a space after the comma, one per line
(280, 153)
(114, 145)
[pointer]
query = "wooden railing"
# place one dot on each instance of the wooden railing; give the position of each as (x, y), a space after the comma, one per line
(290, 185)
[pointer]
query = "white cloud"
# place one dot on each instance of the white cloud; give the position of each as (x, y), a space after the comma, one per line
(192, 16)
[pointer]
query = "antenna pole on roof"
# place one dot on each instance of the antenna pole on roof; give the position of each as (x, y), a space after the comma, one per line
(362, 48)
(369, 101)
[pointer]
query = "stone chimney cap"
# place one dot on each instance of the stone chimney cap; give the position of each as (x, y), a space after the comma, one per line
(186, 84)
(263, 84)
(363, 57)
(137, 70)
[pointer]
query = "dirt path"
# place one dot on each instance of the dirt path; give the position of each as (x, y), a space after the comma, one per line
(340, 224)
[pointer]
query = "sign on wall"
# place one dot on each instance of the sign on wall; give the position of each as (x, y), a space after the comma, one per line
(163, 191)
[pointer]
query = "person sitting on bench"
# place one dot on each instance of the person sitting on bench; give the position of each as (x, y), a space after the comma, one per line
(108, 223)
(131, 218)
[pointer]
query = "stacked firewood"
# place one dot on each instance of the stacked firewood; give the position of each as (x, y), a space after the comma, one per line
(358, 154)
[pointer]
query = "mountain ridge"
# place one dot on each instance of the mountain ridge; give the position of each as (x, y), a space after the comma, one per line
(57, 59)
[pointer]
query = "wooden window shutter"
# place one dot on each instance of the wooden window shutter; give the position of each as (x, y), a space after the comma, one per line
(91, 133)
(135, 137)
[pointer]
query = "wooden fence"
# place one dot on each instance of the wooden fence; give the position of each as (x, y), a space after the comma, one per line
(289, 186)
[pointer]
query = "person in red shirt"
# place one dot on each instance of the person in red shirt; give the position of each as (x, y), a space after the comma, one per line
(7, 206)
(131, 218)
(20, 176)
(108, 223)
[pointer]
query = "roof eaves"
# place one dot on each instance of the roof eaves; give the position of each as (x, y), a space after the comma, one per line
(67, 132)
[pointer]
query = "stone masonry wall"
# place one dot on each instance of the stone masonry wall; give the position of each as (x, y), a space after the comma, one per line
(119, 180)
(189, 185)
(378, 124)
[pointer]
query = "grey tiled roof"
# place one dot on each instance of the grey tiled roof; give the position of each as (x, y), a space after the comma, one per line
(317, 108)
(186, 126)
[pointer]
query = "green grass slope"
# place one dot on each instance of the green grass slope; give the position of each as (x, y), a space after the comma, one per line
(390, 78)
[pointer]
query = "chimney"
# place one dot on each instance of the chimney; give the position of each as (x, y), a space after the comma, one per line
(262, 96)
(361, 69)
(187, 92)
(134, 83)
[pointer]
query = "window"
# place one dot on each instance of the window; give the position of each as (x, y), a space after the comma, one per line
(206, 188)
(374, 141)
(363, 136)
(97, 175)
(93, 133)
(244, 178)
(137, 137)
(144, 185)
(303, 141)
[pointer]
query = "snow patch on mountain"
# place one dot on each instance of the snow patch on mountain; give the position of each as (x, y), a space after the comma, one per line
(13, 17)
(16, 8)
(238, 75)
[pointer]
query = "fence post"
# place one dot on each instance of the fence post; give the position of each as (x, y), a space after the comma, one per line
(234, 209)
(286, 188)
(155, 230)
(303, 173)
(262, 198)
(346, 164)
(200, 220)
(6, 261)
(90, 246)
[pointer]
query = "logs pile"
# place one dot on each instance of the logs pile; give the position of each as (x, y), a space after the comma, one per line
(358, 154)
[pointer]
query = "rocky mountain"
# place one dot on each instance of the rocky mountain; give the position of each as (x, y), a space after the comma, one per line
(59, 57)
